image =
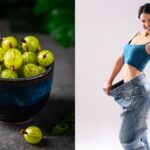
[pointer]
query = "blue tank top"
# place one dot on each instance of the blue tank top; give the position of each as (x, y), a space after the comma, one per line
(136, 56)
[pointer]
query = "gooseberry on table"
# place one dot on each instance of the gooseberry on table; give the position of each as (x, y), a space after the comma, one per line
(32, 134)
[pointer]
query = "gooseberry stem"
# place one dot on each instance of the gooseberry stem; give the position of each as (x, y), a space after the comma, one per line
(12, 68)
(10, 45)
(22, 39)
(45, 55)
(22, 131)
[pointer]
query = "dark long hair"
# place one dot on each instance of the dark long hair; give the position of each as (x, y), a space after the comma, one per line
(144, 9)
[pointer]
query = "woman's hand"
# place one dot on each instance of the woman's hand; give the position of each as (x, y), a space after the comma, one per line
(116, 69)
(107, 88)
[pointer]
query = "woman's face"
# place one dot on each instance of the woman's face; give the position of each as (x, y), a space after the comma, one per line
(145, 19)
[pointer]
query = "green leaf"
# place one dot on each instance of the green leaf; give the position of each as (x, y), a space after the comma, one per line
(65, 126)
(64, 35)
(57, 18)
(45, 6)
(42, 7)
(60, 128)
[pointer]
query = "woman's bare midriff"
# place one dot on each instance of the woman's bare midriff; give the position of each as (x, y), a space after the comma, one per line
(130, 72)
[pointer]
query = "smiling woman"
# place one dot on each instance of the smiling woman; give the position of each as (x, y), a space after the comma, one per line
(108, 27)
(145, 19)
(133, 93)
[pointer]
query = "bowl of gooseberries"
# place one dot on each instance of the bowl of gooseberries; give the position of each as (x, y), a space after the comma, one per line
(26, 75)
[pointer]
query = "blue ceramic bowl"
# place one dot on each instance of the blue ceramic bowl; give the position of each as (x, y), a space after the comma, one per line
(23, 98)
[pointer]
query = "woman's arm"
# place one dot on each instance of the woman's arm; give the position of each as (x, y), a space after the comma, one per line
(116, 69)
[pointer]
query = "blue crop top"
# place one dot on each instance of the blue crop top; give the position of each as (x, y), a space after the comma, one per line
(136, 56)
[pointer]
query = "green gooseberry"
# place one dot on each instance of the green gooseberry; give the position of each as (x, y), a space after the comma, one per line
(45, 58)
(2, 52)
(29, 57)
(13, 59)
(30, 70)
(9, 42)
(8, 73)
(32, 134)
(30, 43)
(41, 69)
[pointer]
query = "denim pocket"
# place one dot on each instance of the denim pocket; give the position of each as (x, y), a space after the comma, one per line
(138, 91)
(138, 95)
(129, 98)
(128, 94)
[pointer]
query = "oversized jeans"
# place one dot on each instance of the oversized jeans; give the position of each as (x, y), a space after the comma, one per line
(134, 98)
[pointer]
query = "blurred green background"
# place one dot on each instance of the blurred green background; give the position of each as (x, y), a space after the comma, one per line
(53, 17)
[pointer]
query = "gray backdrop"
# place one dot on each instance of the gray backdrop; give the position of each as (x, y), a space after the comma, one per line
(102, 29)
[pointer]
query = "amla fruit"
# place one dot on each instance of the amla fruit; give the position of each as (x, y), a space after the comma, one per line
(30, 70)
(8, 73)
(32, 134)
(9, 42)
(2, 52)
(13, 59)
(45, 58)
(30, 43)
(29, 57)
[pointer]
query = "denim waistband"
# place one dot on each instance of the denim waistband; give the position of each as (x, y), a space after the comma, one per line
(138, 80)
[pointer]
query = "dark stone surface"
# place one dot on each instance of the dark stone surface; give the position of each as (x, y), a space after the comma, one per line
(11, 139)
(60, 101)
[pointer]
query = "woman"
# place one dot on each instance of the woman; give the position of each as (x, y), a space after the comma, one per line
(133, 92)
